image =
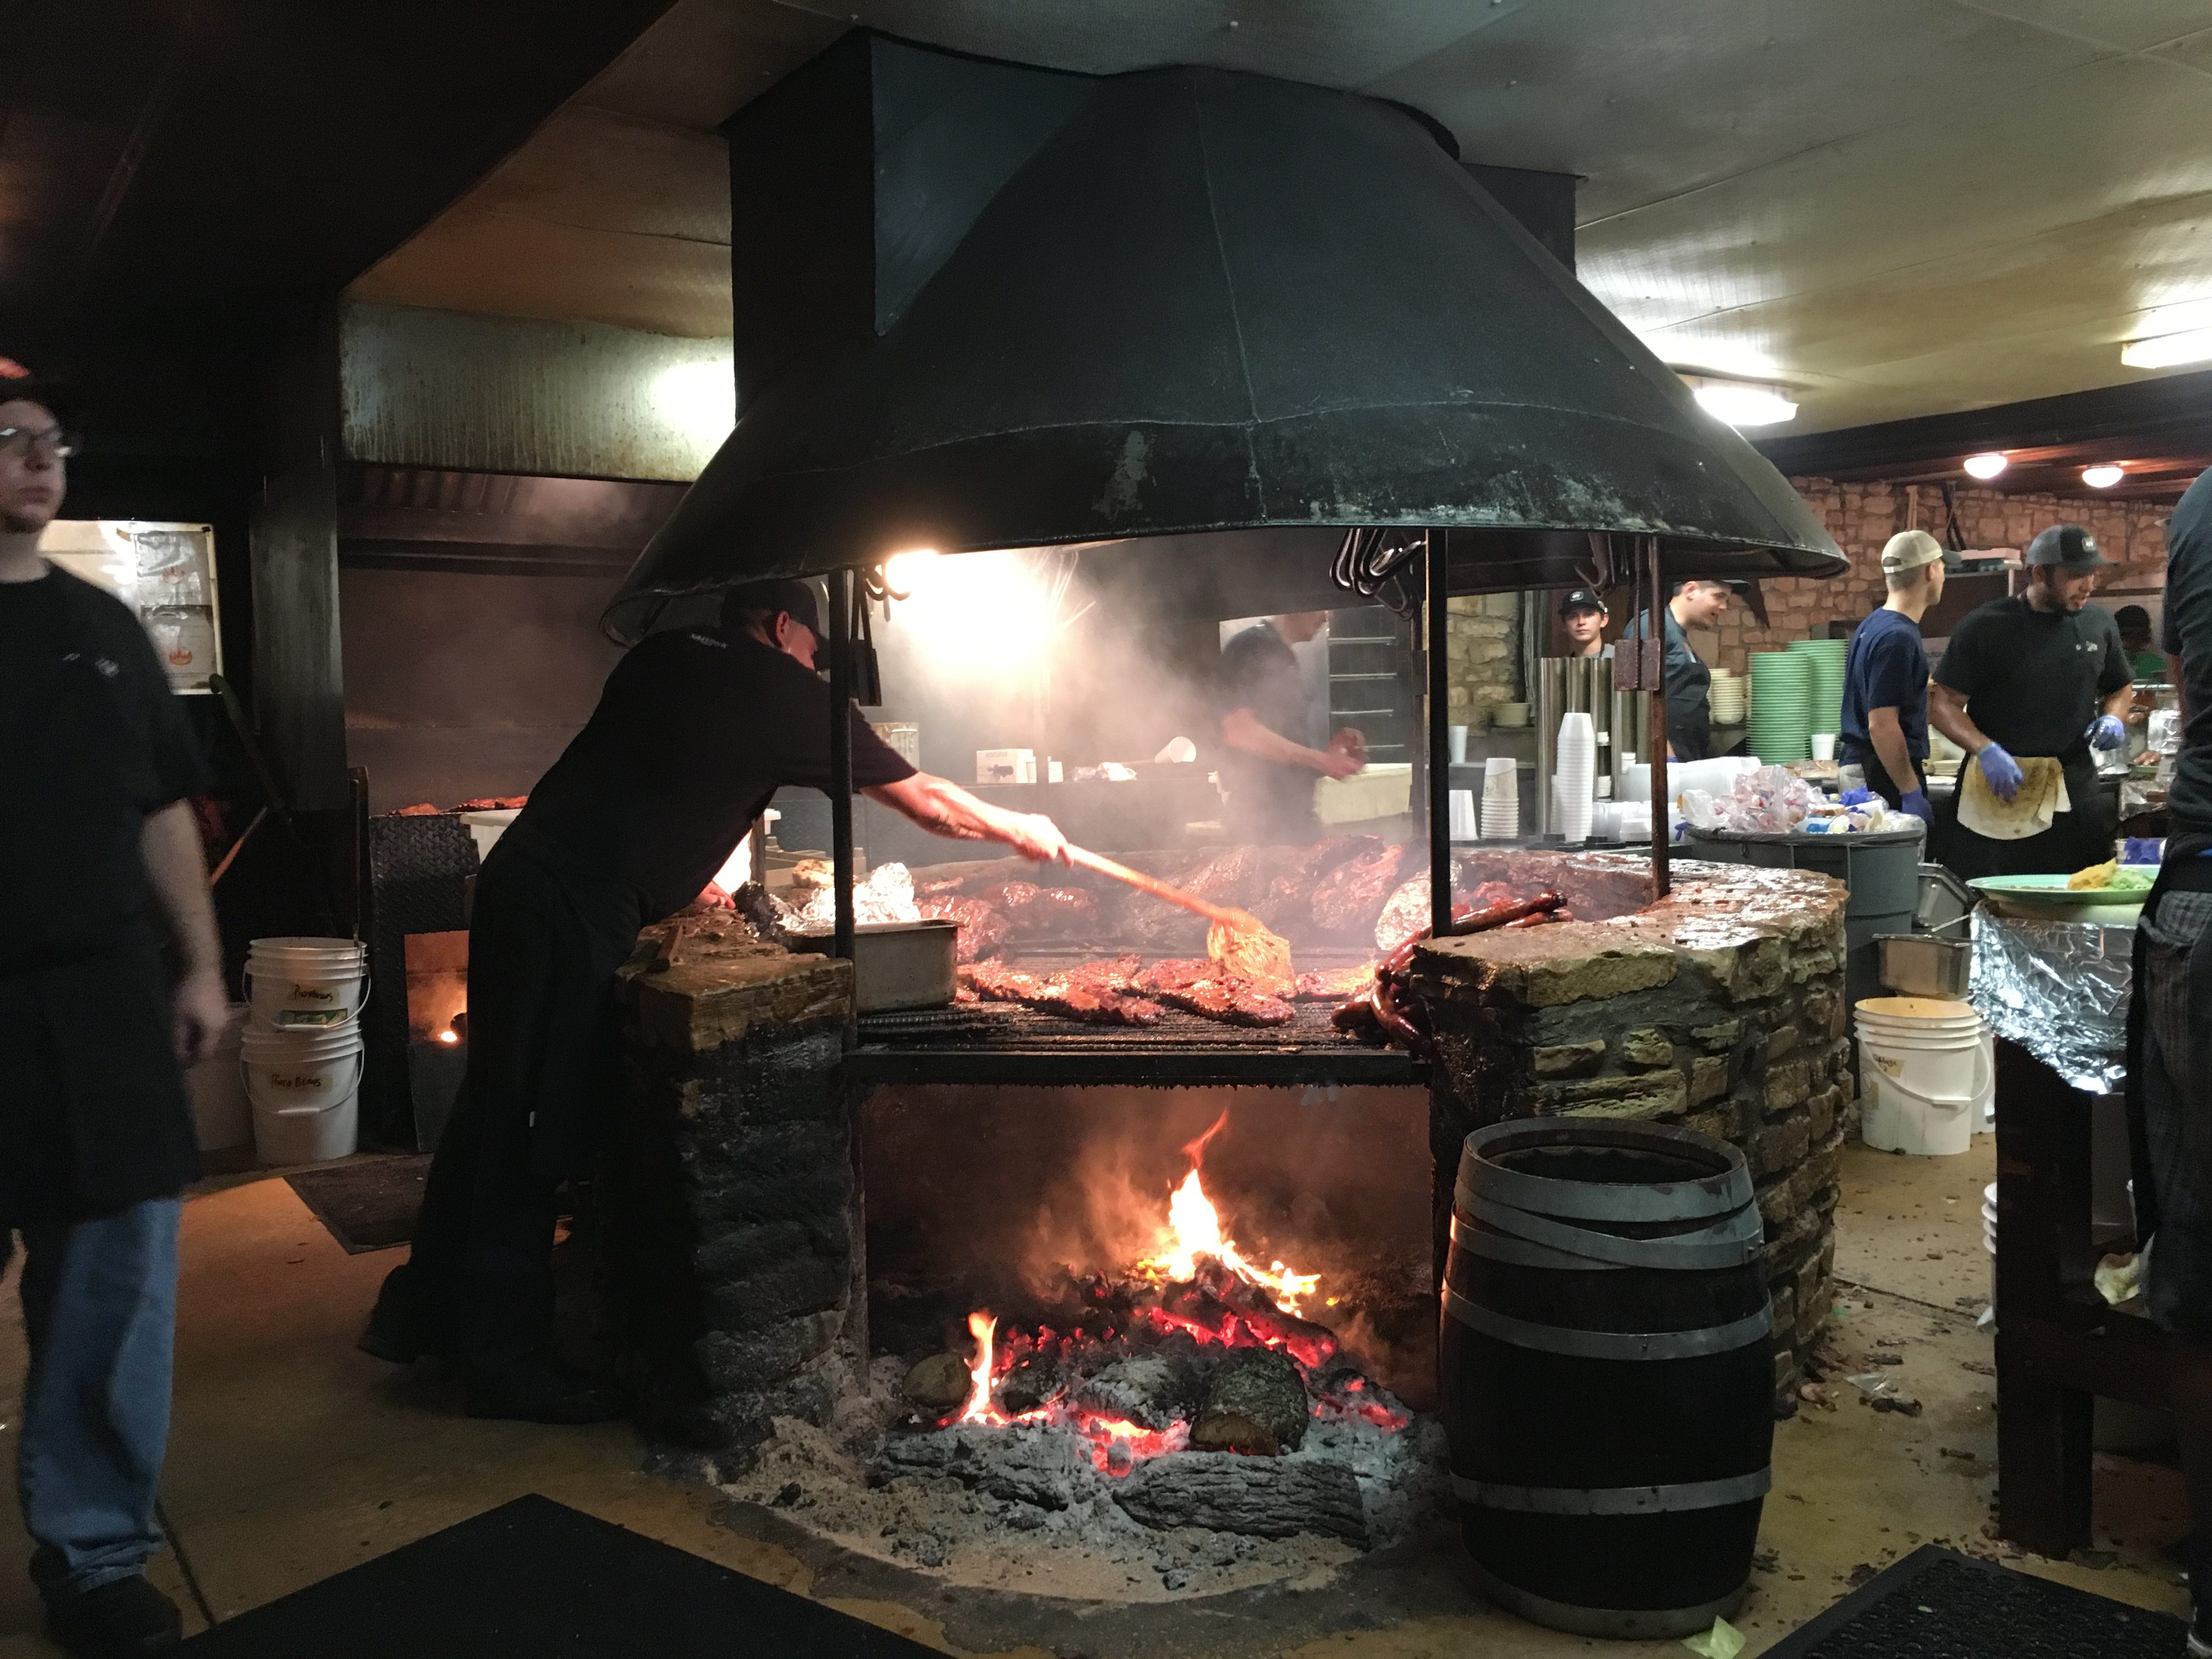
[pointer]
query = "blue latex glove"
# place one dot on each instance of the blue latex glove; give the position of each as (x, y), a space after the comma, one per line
(1857, 796)
(1915, 801)
(2107, 732)
(2001, 769)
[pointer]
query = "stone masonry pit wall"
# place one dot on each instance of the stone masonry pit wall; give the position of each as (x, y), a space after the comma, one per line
(1720, 1010)
(731, 1198)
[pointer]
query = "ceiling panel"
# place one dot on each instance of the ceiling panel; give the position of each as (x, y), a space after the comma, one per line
(2124, 25)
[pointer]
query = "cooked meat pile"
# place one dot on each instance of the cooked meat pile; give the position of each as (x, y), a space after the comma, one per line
(982, 930)
(1199, 985)
(1088, 993)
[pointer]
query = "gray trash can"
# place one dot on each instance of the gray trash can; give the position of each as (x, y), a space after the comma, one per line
(1880, 868)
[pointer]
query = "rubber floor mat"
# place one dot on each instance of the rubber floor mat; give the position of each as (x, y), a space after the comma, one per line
(1938, 1604)
(367, 1203)
(534, 1579)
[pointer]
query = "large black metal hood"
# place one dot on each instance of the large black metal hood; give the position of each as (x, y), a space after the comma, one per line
(983, 305)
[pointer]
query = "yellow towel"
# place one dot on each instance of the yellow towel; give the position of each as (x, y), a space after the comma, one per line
(2042, 794)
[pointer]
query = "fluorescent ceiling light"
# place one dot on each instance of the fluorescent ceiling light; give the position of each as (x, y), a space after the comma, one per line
(2102, 476)
(2165, 350)
(1742, 403)
(1986, 464)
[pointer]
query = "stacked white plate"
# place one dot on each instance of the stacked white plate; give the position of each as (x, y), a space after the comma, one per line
(1574, 774)
(1501, 798)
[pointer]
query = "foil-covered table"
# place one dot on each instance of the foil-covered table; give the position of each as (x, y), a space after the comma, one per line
(2059, 989)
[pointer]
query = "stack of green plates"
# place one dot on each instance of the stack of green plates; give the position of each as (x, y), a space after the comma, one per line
(1826, 656)
(1781, 706)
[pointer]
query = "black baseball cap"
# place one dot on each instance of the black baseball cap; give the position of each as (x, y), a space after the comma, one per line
(1583, 598)
(2069, 546)
(20, 383)
(788, 593)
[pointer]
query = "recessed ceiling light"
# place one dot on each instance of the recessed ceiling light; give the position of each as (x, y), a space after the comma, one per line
(1742, 403)
(2165, 350)
(1987, 464)
(2103, 477)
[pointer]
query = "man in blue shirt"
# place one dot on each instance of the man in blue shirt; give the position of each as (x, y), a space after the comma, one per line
(1885, 725)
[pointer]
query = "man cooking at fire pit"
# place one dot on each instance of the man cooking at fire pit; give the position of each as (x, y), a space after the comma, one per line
(694, 734)
(2042, 676)
(1266, 714)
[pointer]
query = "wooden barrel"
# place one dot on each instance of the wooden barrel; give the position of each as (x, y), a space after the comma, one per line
(1606, 1377)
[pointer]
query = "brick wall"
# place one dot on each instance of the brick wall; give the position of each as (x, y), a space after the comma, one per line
(1863, 516)
(1485, 656)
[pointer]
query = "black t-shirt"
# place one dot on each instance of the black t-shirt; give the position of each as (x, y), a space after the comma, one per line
(92, 743)
(1886, 667)
(1689, 690)
(2033, 679)
(693, 736)
(1268, 799)
(2188, 636)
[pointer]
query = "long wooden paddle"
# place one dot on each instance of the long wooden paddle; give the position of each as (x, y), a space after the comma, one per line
(1238, 940)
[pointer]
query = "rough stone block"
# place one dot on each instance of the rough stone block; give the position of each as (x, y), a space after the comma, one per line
(1780, 1146)
(1720, 1037)
(1545, 967)
(1708, 1079)
(1720, 1124)
(1779, 1042)
(1650, 1095)
(804, 1285)
(1782, 1304)
(697, 1007)
(1788, 1086)
(1823, 1107)
(1568, 1059)
(745, 1361)
(1647, 1045)
(1819, 1011)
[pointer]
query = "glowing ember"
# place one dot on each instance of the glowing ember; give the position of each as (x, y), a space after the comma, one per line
(1193, 1231)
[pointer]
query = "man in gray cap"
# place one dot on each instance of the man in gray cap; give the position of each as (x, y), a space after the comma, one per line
(1884, 733)
(694, 732)
(2043, 673)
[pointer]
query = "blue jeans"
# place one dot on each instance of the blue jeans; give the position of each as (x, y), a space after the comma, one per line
(99, 1304)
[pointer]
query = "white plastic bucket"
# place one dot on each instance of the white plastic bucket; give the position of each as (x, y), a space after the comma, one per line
(222, 1117)
(305, 1087)
(305, 982)
(1925, 1079)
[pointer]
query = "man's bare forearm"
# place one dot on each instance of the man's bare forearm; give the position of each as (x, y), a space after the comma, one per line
(1947, 710)
(1244, 730)
(943, 808)
(171, 846)
(1887, 736)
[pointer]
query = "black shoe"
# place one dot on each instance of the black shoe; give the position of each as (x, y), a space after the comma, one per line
(539, 1390)
(398, 1333)
(125, 1618)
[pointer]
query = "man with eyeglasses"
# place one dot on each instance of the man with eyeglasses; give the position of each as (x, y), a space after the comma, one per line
(111, 975)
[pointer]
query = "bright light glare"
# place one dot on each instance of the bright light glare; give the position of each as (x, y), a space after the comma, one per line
(2165, 350)
(1740, 404)
(975, 615)
(1987, 464)
(2102, 477)
(699, 399)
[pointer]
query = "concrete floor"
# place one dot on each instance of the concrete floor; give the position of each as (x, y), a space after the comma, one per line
(294, 1457)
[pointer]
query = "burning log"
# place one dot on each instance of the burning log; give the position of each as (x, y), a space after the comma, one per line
(1150, 1391)
(1020, 1464)
(1263, 1497)
(1254, 1389)
(1036, 1380)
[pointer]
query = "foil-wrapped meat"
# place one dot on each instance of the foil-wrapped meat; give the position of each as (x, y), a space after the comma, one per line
(1200, 987)
(982, 930)
(1351, 897)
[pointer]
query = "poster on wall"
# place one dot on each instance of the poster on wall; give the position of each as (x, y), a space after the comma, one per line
(165, 572)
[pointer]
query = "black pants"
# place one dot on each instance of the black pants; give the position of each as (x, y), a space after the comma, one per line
(544, 945)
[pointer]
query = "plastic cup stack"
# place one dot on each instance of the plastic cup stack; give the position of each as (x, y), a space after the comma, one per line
(1501, 798)
(1824, 695)
(1574, 775)
(1463, 815)
(1727, 698)
(1781, 706)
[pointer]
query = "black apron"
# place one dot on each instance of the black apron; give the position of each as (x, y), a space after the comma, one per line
(2076, 840)
(93, 1116)
(2186, 869)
